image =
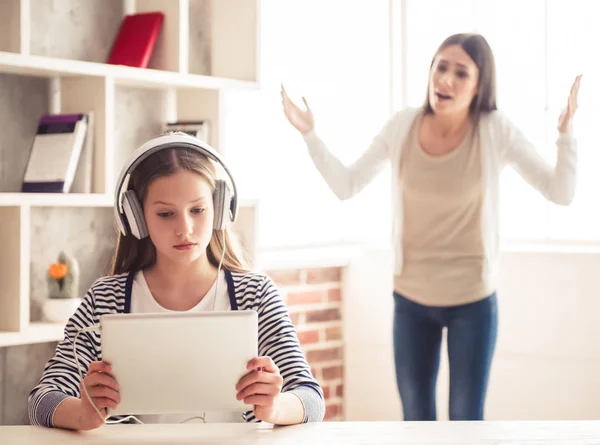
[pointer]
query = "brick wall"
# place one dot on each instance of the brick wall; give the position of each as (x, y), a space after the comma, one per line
(314, 299)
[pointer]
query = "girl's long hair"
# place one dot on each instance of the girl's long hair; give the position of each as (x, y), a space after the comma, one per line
(132, 254)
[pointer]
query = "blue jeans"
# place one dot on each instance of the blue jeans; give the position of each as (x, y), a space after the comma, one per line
(471, 338)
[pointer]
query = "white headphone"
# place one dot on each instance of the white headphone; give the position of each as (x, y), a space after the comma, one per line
(128, 210)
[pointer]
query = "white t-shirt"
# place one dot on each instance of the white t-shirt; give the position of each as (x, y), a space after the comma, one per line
(142, 301)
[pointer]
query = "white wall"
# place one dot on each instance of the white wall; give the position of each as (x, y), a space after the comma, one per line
(547, 362)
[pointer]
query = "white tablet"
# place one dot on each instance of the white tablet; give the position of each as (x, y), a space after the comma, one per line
(179, 363)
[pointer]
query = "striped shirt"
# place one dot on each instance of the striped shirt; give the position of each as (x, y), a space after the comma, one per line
(109, 295)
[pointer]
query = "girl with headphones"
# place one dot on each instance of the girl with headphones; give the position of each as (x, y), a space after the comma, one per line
(176, 252)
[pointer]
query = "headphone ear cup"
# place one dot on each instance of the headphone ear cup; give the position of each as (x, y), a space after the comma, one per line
(221, 199)
(134, 214)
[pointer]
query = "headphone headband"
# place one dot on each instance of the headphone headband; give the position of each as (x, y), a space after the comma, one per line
(161, 143)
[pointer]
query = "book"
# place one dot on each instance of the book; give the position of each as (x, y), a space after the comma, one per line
(198, 129)
(82, 182)
(55, 153)
(136, 39)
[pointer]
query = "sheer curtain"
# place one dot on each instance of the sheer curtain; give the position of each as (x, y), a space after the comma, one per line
(539, 47)
(336, 54)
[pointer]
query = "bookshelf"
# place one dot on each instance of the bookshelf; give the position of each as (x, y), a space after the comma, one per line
(42, 66)
(52, 55)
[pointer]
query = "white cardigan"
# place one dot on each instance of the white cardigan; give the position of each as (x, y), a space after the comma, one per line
(501, 143)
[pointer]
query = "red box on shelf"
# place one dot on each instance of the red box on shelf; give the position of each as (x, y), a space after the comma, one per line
(136, 39)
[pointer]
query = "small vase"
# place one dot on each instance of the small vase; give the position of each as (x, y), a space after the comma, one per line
(59, 310)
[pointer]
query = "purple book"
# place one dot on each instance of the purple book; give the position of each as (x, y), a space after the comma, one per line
(55, 153)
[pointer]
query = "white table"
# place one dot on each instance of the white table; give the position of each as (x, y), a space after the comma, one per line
(338, 433)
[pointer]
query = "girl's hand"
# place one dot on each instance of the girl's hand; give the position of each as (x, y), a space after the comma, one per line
(261, 387)
(103, 391)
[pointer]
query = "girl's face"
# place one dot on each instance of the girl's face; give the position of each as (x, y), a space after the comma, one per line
(179, 214)
(453, 81)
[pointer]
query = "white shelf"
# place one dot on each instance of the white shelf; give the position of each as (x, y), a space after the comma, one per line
(56, 200)
(34, 333)
(123, 75)
(129, 104)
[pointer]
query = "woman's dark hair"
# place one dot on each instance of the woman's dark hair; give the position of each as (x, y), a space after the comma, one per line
(478, 49)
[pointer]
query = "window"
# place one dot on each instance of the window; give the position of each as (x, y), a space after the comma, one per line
(336, 54)
(573, 33)
(539, 47)
(343, 58)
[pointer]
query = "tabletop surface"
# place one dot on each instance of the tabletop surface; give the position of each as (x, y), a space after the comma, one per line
(342, 433)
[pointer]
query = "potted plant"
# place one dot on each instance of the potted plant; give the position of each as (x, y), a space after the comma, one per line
(63, 286)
